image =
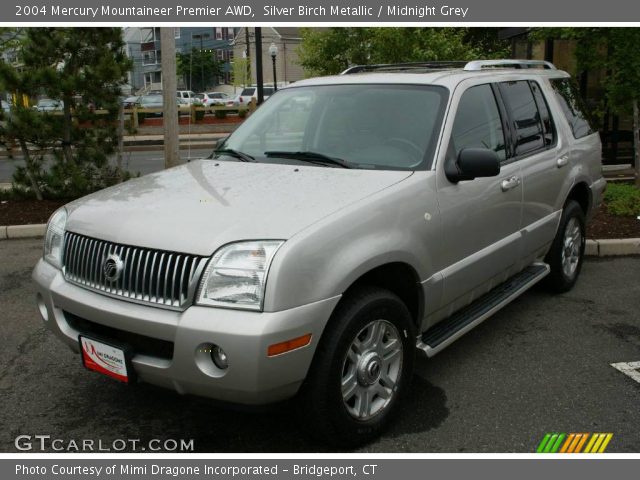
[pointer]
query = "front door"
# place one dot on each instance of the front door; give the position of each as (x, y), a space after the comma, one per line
(480, 217)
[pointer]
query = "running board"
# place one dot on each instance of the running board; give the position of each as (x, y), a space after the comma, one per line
(447, 331)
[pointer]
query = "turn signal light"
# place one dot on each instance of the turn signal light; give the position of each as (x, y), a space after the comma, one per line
(284, 347)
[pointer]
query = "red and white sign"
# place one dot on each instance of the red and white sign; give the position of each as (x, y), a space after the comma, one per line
(105, 359)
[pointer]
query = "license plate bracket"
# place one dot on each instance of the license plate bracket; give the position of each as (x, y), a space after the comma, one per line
(107, 358)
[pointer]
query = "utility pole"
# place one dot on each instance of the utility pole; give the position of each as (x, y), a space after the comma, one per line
(169, 100)
(248, 50)
(259, 79)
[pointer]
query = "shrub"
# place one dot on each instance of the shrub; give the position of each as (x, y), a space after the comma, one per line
(622, 199)
(199, 113)
(221, 114)
(242, 113)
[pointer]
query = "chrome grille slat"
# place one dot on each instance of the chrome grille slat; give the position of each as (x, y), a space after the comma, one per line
(155, 277)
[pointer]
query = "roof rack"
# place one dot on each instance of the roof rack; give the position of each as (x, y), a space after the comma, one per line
(480, 64)
(474, 65)
(396, 67)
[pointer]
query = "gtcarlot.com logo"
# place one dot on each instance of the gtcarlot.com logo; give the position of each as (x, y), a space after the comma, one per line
(45, 443)
(574, 443)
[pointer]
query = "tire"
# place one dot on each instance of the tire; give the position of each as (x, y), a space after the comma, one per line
(386, 370)
(565, 259)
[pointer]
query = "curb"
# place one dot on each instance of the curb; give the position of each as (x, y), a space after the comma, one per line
(22, 231)
(593, 248)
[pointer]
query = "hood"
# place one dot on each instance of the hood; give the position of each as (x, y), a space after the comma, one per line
(197, 207)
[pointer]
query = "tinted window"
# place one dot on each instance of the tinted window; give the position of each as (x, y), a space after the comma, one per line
(268, 91)
(247, 92)
(526, 118)
(572, 107)
(545, 116)
(478, 123)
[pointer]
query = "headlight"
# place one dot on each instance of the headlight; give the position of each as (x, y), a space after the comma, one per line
(237, 274)
(54, 238)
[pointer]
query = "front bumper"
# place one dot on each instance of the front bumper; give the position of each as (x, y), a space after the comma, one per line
(252, 378)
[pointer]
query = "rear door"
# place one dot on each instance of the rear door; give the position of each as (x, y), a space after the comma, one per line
(544, 161)
(480, 217)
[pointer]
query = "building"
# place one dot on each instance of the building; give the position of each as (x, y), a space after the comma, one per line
(144, 48)
(286, 39)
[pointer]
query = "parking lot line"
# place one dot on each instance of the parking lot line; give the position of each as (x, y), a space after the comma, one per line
(631, 369)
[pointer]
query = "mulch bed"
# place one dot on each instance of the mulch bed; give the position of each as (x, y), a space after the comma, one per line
(22, 212)
(604, 225)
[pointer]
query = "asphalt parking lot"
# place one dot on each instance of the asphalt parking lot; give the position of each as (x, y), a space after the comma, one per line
(541, 365)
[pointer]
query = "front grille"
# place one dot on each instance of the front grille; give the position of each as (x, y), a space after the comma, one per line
(141, 344)
(154, 277)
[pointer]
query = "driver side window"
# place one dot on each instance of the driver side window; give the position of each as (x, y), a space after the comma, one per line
(477, 123)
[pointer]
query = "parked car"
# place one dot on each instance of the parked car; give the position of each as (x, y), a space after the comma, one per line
(131, 101)
(157, 102)
(187, 95)
(49, 105)
(248, 94)
(214, 99)
(351, 222)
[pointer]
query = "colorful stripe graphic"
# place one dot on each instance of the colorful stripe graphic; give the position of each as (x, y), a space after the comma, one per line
(574, 443)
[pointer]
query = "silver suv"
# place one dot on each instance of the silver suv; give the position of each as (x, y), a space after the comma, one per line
(349, 223)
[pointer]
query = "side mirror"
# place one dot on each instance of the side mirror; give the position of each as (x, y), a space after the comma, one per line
(472, 163)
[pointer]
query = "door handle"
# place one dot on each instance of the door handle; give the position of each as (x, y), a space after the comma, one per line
(562, 161)
(509, 183)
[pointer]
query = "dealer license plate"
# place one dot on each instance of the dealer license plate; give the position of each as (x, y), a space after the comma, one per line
(104, 358)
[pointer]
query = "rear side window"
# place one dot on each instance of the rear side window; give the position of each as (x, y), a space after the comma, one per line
(572, 107)
(477, 123)
(548, 125)
(247, 92)
(526, 118)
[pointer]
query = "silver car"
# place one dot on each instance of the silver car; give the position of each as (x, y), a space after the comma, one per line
(351, 222)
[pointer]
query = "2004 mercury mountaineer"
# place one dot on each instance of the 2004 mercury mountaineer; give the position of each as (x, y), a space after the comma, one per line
(349, 223)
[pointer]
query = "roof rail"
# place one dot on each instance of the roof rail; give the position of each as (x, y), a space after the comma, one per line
(480, 64)
(474, 65)
(396, 67)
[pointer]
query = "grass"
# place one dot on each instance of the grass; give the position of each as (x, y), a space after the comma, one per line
(622, 199)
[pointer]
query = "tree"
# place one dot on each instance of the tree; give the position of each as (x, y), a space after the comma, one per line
(84, 68)
(241, 72)
(200, 68)
(614, 51)
(327, 52)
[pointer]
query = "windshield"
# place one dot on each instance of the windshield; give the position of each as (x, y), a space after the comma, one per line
(369, 126)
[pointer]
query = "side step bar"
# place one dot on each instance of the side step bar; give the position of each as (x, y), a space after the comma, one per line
(447, 331)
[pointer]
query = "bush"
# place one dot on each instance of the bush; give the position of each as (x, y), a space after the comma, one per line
(622, 199)
(242, 113)
(221, 114)
(199, 113)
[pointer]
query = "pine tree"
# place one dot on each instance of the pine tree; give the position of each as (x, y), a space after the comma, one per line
(85, 69)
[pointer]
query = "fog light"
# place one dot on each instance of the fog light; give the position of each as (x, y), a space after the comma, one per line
(219, 357)
(42, 308)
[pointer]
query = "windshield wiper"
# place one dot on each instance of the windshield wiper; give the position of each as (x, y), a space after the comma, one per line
(312, 157)
(243, 157)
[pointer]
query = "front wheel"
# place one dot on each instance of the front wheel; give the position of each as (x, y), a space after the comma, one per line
(362, 368)
(567, 250)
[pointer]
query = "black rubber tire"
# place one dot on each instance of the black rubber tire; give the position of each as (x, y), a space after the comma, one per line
(321, 405)
(557, 281)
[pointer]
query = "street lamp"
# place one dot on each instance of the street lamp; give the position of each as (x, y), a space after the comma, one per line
(273, 51)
